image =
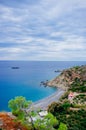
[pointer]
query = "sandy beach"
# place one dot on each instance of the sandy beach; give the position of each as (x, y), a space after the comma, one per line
(43, 104)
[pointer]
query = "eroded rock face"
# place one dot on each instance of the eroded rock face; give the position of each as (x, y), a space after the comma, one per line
(67, 77)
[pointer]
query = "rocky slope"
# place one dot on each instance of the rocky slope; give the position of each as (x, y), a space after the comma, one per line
(68, 76)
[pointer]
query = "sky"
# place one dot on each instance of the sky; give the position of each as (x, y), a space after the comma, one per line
(43, 30)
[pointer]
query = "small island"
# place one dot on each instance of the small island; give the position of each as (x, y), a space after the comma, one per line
(57, 71)
(15, 67)
(64, 110)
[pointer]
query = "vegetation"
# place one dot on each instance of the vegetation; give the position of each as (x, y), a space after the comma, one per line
(18, 105)
(74, 119)
(78, 85)
(7, 122)
(67, 114)
(31, 119)
(80, 99)
(72, 111)
(49, 122)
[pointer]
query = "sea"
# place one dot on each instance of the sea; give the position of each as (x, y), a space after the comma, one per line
(26, 79)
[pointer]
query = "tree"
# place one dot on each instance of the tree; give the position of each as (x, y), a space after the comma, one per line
(62, 126)
(66, 105)
(18, 106)
(32, 118)
(49, 122)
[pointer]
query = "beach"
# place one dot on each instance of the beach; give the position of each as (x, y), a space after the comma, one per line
(26, 80)
(44, 103)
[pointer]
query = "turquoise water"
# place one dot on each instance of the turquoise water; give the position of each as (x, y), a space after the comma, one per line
(26, 80)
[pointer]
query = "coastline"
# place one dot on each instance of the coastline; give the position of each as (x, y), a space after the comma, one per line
(45, 102)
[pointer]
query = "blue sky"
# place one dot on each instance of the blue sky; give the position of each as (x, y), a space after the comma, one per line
(53, 30)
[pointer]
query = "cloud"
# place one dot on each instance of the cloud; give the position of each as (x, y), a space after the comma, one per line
(45, 29)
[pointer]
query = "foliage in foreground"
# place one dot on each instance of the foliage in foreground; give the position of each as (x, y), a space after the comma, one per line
(18, 105)
(31, 119)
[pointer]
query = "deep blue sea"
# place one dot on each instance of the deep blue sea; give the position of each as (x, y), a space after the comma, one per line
(25, 81)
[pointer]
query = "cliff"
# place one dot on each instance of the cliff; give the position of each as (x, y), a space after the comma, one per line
(68, 76)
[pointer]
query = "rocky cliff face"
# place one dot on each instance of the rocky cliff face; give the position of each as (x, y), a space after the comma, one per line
(68, 76)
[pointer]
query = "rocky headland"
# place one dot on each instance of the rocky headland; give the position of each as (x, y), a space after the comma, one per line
(71, 108)
(68, 76)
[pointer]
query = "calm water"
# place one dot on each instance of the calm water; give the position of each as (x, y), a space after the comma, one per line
(26, 80)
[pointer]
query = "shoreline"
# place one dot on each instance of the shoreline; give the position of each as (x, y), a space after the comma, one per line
(45, 102)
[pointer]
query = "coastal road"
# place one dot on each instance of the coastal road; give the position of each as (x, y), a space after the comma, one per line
(43, 104)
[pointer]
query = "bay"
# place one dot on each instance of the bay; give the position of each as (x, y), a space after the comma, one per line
(25, 81)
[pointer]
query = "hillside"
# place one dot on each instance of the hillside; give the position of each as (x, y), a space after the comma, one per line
(68, 77)
(71, 109)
